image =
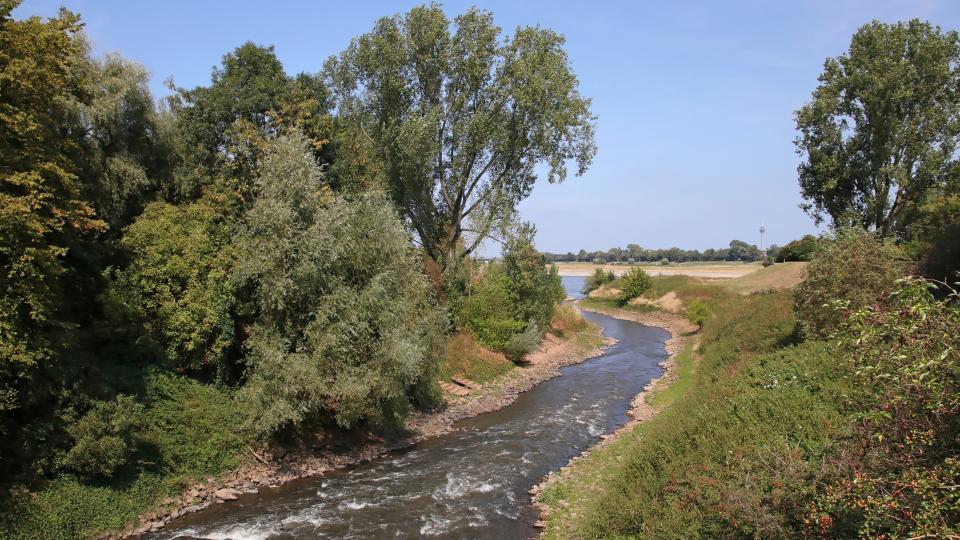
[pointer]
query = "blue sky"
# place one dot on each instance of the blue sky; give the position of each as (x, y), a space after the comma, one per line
(695, 99)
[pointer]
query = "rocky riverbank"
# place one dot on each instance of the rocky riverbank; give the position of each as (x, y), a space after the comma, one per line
(330, 451)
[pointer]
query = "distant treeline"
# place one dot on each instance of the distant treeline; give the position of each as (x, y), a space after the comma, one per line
(738, 251)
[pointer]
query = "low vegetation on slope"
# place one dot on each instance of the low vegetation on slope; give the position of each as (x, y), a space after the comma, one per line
(777, 433)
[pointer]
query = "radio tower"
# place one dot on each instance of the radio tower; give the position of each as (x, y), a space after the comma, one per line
(762, 230)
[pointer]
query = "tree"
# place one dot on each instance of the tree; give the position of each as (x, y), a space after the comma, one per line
(460, 119)
(534, 288)
(42, 214)
(697, 313)
(123, 148)
(179, 285)
(346, 326)
(221, 129)
(882, 127)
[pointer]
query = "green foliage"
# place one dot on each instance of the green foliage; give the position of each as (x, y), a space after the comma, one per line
(697, 312)
(734, 455)
(513, 300)
(534, 290)
(42, 217)
(801, 249)
(523, 343)
(221, 130)
(896, 476)
(346, 324)
(633, 284)
(847, 273)
(882, 128)
(104, 437)
(460, 119)
(596, 280)
(189, 430)
(179, 284)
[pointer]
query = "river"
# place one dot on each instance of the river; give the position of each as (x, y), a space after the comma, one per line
(471, 483)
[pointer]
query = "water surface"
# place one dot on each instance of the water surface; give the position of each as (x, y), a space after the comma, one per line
(471, 483)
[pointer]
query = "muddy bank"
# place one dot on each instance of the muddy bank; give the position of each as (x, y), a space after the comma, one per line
(682, 332)
(332, 451)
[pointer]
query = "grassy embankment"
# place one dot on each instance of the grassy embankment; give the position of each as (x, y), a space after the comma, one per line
(467, 359)
(741, 431)
(193, 432)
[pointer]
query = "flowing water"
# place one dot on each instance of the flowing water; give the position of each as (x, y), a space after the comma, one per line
(471, 483)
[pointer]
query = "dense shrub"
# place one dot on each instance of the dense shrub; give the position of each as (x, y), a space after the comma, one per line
(847, 273)
(534, 288)
(897, 476)
(179, 285)
(633, 284)
(347, 327)
(597, 279)
(512, 300)
(104, 438)
(802, 249)
(523, 343)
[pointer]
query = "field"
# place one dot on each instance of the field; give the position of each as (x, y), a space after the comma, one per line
(710, 270)
(773, 278)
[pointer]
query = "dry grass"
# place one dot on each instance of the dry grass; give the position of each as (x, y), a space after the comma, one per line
(467, 359)
(777, 277)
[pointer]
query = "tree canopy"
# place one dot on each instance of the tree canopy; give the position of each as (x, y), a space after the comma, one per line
(882, 129)
(460, 119)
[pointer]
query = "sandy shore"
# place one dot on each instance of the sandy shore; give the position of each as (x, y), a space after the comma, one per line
(704, 271)
(681, 332)
(334, 451)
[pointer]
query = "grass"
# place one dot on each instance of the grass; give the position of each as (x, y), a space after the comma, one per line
(732, 454)
(685, 372)
(193, 431)
(468, 359)
(777, 277)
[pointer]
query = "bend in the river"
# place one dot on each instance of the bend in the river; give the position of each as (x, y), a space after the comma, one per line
(471, 483)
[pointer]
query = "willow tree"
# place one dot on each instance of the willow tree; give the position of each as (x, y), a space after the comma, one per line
(461, 120)
(881, 132)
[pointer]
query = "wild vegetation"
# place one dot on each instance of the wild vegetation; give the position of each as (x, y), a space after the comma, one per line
(830, 411)
(262, 257)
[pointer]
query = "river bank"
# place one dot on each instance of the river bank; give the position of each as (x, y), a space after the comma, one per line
(683, 334)
(333, 451)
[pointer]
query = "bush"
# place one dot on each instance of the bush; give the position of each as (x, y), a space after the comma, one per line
(896, 476)
(664, 261)
(697, 312)
(633, 284)
(104, 438)
(847, 273)
(596, 280)
(347, 325)
(534, 289)
(524, 343)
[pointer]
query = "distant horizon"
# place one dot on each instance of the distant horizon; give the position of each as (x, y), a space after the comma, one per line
(695, 102)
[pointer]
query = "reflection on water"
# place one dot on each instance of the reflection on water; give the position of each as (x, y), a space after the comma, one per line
(472, 483)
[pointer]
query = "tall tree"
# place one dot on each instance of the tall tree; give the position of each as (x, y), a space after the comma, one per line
(42, 212)
(460, 119)
(223, 128)
(883, 126)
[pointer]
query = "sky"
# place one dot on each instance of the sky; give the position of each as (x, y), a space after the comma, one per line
(694, 100)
